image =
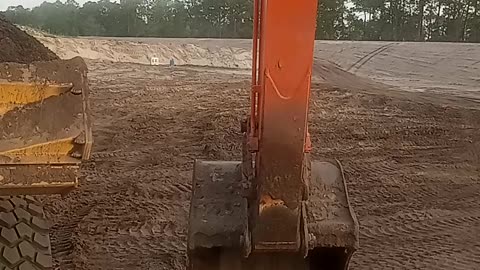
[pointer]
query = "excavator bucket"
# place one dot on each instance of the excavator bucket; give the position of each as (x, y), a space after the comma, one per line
(45, 129)
(219, 234)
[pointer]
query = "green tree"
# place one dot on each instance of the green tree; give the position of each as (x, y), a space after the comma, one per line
(331, 19)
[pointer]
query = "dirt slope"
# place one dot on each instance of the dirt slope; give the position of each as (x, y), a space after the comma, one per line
(17, 46)
(440, 68)
(138, 51)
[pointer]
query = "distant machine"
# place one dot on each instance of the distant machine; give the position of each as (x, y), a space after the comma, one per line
(154, 61)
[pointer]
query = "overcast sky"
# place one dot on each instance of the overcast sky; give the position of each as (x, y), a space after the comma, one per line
(4, 4)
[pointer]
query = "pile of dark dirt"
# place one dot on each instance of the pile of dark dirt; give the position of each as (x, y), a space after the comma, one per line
(17, 46)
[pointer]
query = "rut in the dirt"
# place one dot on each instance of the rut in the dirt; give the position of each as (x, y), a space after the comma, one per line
(19, 47)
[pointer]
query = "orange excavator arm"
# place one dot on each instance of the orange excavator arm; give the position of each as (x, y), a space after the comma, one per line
(283, 46)
(275, 209)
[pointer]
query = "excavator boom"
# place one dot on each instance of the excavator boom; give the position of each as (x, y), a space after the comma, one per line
(275, 209)
(286, 39)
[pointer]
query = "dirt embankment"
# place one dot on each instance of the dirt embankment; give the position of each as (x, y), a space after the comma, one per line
(19, 47)
(141, 51)
(447, 69)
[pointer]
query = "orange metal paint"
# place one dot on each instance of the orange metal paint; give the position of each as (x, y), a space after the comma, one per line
(279, 109)
(254, 90)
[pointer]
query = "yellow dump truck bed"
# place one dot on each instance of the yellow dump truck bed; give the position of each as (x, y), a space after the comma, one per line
(45, 128)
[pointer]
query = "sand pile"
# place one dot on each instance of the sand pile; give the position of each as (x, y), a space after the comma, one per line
(141, 52)
(17, 46)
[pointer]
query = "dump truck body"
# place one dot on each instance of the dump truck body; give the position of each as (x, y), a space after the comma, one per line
(45, 126)
(45, 133)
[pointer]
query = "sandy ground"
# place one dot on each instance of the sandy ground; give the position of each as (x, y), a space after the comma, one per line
(412, 157)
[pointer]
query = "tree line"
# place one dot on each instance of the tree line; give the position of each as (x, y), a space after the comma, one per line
(393, 20)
